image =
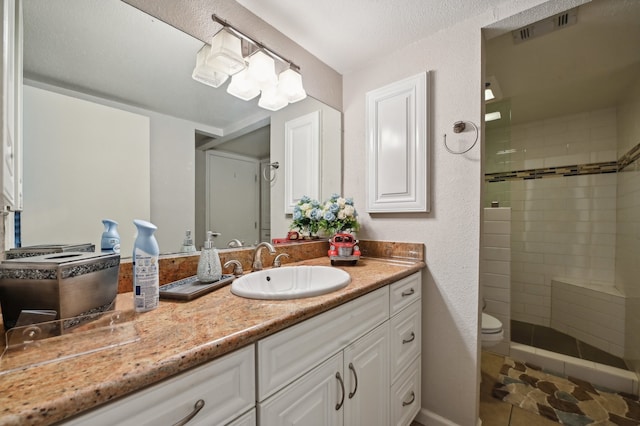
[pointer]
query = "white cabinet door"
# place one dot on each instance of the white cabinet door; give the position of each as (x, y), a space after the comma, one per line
(366, 373)
(248, 419)
(315, 399)
(397, 175)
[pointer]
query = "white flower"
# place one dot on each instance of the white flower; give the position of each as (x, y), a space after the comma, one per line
(349, 210)
(341, 215)
(341, 202)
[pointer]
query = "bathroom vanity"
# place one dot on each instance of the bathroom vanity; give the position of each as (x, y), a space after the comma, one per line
(347, 357)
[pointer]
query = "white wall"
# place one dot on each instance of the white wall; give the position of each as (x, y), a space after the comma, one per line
(170, 165)
(451, 231)
(74, 150)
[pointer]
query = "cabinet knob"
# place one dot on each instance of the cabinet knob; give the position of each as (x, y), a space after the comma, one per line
(196, 409)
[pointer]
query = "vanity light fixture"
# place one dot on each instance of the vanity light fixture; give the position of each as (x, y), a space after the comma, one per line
(224, 58)
(206, 74)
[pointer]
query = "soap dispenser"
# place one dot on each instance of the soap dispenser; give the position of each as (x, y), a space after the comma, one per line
(187, 244)
(209, 268)
(146, 275)
(110, 241)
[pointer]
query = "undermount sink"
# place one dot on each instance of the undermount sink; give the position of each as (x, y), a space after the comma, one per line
(290, 282)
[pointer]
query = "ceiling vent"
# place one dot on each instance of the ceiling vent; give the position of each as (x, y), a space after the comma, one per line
(546, 26)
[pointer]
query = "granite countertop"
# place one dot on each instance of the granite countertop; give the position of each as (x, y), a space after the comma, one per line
(175, 337)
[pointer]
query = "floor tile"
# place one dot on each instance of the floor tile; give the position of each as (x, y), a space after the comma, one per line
(521, 332)
(521, 417)
(553, 340)
(598, 355)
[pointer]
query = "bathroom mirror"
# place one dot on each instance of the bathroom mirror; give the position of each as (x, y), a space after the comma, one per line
(107, 53)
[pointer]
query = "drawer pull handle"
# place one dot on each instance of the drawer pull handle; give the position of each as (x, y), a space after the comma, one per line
(413, 398)
(196, 409)
(355, 375)
(410, 339)
(408, 292)
(339, 377)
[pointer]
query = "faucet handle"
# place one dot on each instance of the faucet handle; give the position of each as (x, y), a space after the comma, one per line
(237, 269)
(277, 262)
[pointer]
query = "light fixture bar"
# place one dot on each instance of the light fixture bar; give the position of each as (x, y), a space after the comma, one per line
(240, 34)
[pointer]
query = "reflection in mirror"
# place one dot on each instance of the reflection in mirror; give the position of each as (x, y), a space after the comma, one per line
(112, 117)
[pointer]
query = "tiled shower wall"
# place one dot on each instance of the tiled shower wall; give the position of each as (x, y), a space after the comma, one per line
(561, 226)
(628, 224)
(495, 270)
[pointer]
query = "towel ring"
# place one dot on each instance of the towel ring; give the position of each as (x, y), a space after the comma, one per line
(267, 169)
(459, 127)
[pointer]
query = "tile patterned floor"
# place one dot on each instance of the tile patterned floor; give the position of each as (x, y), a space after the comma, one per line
(494, 412)
(552, 340)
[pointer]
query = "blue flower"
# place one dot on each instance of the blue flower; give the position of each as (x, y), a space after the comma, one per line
(329, 216)
(305, 199)
(349, 201)
(297, 214)
(334, 208)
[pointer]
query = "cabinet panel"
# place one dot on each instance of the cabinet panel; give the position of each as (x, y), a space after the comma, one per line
(406, 340)
(226, 386)
(366, 371)
(405, 395)
(312, 400)
(248, 419)
(397, 146)
(404, 292)
(290, 353)
(302, 165)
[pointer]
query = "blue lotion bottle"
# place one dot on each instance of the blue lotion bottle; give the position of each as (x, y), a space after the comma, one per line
(110, 242)
(146, 278)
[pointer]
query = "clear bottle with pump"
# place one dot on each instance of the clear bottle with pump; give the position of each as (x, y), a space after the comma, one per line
(110, 241)
(209, 267)
(146, 278)
(187, 244)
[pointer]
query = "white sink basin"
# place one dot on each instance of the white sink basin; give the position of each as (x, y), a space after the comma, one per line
(290, 282)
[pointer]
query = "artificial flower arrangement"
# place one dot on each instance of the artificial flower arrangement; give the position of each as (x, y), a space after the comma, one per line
(337, 214)
(306, 216)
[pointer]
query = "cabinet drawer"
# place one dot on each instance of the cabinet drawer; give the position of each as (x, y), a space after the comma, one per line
(248, 419)
(226, 385)
(405, 395)
(405, 292)
(406, 338)
(289, 353)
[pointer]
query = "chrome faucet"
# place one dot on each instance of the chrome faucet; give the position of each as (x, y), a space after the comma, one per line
(235, 243)
(257, 262)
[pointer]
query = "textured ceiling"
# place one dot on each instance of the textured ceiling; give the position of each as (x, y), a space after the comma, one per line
(348, 34)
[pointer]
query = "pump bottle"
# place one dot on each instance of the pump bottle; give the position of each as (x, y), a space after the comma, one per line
(209, 267)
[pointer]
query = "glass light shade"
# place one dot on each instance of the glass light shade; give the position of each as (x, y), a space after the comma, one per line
(272, 99)
(205, 74)
(290, 85)
(243, 87)
(226, 53)
(262, 70)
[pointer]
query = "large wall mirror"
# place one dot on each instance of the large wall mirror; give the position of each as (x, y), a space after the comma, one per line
(115, 127)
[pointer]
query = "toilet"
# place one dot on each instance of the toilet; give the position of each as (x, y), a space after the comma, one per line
(492, 332)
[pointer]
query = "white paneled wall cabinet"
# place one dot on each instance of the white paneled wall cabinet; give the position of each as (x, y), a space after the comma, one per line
(397, 147)
(356, 364)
